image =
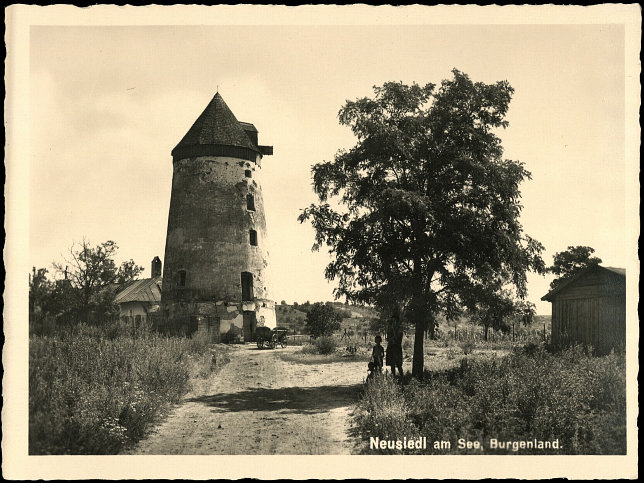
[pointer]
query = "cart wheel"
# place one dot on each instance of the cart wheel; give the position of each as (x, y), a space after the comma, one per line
(283, 342)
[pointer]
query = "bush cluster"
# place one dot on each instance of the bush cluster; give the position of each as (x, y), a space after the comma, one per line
(532, 393)
(326, 344)
(95, 390)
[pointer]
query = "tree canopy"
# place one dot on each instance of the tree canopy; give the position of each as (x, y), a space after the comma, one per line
(88, 280)
(501, 312)
(570, 262)
(322, 319)
(425, 214)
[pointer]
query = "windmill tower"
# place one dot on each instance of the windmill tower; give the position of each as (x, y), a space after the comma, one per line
(215, 254)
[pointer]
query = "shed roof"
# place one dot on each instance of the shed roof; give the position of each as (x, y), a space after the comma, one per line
(618, 271)
(621, 272)
(217, 126)
(145, 290)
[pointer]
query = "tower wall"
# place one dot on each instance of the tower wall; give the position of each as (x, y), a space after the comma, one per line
(208, 239)
(216, 263)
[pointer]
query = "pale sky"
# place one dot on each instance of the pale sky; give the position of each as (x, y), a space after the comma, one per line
(107, 105)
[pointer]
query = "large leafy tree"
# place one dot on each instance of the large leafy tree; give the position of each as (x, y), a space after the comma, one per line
(322, 319)
(92, 277)
(570, 262)
(425, 210)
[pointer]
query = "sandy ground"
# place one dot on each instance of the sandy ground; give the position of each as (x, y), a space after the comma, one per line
(260, 404)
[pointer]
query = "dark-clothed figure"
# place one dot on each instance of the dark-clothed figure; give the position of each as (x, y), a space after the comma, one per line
(394, 352)
(378, 354)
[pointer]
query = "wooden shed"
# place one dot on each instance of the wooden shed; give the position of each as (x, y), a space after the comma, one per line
(590, 309)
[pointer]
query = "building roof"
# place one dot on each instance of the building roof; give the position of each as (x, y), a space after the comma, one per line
(247, 126)
(217, 126)
(145, 290)
(621, 272)
(618, 271)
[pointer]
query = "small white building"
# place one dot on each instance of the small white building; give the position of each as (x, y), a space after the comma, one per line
(141, 298)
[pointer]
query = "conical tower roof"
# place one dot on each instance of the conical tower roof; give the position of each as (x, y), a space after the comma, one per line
(217, 127)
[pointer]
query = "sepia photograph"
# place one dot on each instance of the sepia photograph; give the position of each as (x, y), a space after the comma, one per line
(321, 242)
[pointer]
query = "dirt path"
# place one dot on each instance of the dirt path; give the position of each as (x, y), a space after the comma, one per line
(260, 404)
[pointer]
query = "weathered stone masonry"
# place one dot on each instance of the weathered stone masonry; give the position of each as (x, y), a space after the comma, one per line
(215, 257)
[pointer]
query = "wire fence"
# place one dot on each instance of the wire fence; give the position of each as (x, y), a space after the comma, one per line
(477, 334)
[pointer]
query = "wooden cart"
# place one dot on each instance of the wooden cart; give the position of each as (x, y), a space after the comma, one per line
(270, 338)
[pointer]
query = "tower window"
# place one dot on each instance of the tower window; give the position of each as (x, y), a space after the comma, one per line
(253, 237)
(250, 202)
(247, 285)
(182, 278)
(248, 173)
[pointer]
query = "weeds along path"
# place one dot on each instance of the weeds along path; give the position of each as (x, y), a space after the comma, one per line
(260, 404)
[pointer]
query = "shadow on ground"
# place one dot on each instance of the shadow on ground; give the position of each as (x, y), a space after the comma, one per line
(304, 400)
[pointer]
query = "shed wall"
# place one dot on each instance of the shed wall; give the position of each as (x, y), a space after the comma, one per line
(599, 321)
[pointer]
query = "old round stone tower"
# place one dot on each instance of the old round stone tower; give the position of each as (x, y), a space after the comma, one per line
(215, 272)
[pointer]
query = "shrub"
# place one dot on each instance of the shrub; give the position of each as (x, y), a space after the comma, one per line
(309, 349)
(530, 394)
(94, 390)
(384, 412)
(325, 345)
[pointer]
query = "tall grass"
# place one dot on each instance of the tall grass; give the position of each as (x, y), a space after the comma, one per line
(96, 390)
(532, 393)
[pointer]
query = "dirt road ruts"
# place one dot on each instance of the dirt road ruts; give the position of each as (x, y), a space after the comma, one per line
(261, 404)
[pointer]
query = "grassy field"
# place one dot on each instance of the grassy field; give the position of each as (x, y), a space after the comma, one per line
(529, 394)
(97, 390)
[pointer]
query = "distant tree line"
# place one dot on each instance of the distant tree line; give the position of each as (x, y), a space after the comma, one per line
(307, 306)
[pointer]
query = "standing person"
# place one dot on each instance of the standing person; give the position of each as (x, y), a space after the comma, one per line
(394, 352)
(378, 354)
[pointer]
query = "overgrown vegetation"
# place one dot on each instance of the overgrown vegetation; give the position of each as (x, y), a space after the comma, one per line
(85, 285)
(530, 394)
(95, 390)
(325, 345)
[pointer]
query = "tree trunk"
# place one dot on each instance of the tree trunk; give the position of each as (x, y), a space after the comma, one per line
(418, 303)
(485, 333)
(418, 363)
